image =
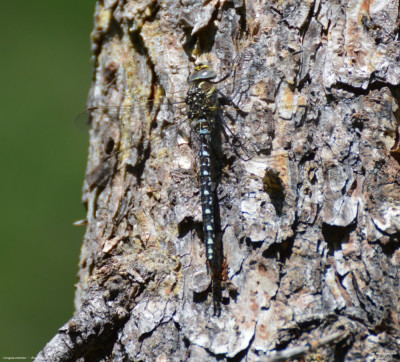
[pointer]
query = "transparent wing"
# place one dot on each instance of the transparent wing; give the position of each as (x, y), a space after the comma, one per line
(232, 86)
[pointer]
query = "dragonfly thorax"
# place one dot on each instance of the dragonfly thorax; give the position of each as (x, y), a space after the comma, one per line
(202, 97)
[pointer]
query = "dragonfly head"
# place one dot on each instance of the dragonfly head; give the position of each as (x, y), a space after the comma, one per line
(202, 72)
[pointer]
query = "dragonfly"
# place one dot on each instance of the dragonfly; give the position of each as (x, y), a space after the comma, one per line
(203, 118)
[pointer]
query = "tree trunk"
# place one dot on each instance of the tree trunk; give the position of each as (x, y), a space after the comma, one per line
(306, 182)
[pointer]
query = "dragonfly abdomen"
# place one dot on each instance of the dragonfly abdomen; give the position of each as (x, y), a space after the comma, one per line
(207, 200)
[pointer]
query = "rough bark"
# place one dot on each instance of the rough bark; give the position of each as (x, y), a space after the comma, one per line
(308, 225)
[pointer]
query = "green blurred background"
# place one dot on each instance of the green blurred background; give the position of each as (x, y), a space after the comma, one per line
(45, 77)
